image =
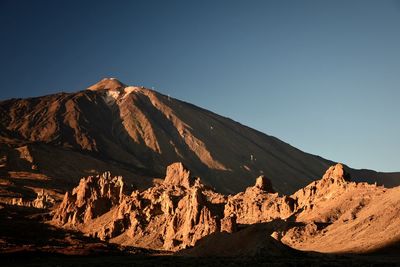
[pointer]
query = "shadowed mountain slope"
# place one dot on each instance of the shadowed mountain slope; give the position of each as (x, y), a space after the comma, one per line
(137, 132)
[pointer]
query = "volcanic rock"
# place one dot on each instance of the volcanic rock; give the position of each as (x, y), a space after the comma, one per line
(178, 175)
(43, 200)
(228, 224)
(264, 184)
(335, 175)
(259, 204)
(94, 196)
(171, 215)
(181, 212)
(333, 182)
(333, 209)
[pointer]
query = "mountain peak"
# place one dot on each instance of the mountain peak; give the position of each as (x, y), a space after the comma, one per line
(107, 84)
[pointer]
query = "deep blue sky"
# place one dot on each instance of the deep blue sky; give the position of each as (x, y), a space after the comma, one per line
(323, 76)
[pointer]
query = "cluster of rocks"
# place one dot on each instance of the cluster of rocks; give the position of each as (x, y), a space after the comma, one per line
(43, 201)
(259, 203)
(94, 196)
(172, 215)
(334, 181)
(178, 212)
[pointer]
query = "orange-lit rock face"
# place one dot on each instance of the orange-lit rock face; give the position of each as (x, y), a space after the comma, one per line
(259, 204)
(334, 181)
(178, 212)
(177, 175)
(264, 184)
(93, 197)
(170, 216)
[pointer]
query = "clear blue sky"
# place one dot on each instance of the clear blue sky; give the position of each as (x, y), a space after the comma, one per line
(321, 75)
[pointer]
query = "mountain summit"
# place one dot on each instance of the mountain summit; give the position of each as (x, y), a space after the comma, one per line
(108, 84)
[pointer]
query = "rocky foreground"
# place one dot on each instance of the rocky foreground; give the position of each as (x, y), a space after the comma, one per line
(183, 215)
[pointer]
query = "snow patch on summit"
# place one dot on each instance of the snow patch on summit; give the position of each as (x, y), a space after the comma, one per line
(111, 96)
(130, 89)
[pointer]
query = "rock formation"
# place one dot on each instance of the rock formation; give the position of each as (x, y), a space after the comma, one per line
(264, 184)
(333, 182)
(181, 212)
(229, 224)
(259, 204)
(177, 175)
(94, 196)
(42, 201)
(331, 210)
(171, 216)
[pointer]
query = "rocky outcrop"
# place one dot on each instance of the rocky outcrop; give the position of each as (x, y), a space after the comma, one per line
(182, 212)
(335, 215)
(171, 216)
(42, 201)
(334, 181)
(177, 175)
(193, 219)
(228, 224)
(94, 196)
(259, 204)
(264, 184)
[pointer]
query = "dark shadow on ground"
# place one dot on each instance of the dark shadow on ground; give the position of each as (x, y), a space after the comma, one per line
(26, 240)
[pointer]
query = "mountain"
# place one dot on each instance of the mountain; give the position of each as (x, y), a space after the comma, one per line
(119, 173)
(49, 142)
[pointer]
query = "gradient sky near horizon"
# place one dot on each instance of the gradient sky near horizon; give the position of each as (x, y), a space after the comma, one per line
(323, 76)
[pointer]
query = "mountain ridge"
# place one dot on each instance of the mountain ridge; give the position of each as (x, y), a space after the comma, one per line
(144, 131)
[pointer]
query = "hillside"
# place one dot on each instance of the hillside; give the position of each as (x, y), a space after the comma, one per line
(52, 141)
